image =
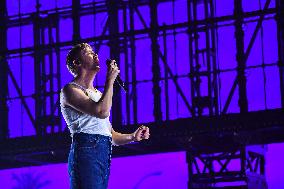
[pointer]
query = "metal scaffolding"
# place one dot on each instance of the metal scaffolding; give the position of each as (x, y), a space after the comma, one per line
(47, 74)
(203, 63)
(209, 170)
(280, 29)
(3, 74)
(208, 129)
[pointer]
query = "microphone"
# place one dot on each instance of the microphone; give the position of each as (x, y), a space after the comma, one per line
(118, 78)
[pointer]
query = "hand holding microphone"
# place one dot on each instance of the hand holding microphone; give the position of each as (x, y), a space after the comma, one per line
(113, 73)
(112, 70)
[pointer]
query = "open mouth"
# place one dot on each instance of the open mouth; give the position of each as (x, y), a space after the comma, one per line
(97, 63)
(96, 60)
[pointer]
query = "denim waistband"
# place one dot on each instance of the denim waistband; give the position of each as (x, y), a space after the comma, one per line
(85, 138)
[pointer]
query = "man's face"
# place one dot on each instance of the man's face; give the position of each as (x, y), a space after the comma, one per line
(89, 59)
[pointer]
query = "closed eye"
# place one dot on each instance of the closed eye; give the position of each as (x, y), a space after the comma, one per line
(91, 53)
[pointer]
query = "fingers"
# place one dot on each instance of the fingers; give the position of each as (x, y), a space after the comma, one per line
(113, 70)
(143, 132)
(146, 135)
(140, 132)
(113, 64)
(114, 67)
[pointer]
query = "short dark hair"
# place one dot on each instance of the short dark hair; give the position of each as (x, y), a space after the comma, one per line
(72, 55)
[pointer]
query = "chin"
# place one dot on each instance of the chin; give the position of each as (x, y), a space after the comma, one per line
(97, 68)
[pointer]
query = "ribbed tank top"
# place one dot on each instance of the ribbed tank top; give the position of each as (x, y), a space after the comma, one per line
(80, 122)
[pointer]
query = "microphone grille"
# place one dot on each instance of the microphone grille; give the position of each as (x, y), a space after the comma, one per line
(108, 61)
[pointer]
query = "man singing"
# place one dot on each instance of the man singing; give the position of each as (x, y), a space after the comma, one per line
(86, 112)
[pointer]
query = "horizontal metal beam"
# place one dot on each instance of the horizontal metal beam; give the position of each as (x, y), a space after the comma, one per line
(89, 9)
(198, 25)
(66, 12)
(197, 135)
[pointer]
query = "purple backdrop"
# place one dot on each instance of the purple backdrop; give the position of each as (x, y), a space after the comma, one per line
(159, 170)
(167, 170)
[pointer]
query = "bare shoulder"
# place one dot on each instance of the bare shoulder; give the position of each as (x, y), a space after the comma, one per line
(76, 98)
(72, 94)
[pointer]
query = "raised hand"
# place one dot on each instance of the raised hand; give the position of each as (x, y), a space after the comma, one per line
(141, 133)
(112, 71)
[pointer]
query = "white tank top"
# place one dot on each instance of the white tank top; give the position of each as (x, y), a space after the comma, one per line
(80, 122)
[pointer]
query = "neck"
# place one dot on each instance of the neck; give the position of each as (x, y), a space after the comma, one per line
(85, 79)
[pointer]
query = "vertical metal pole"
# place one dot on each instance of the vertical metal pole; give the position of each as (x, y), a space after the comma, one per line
(280, 34)
(155, 60)
(194, 58)
(239, 34)
(166, 77)
(189, 160)
(58, 75)
(50, 75)
(4, 128)
(196, 62)
(114, 44)
(133, 61)
(76, 20)
(211, 59)
(208, 58)
(215, 68)
(191, 56)
(37, 67)
(126, 64)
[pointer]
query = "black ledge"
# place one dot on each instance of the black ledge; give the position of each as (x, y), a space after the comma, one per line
(196, 135)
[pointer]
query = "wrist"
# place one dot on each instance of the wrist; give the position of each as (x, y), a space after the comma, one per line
(109, 81)
(132, 137)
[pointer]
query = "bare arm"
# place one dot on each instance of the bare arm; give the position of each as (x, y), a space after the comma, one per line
(77, 99)
(120, 139)
(106, 100)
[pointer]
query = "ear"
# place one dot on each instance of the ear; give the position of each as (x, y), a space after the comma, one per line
(76, 62)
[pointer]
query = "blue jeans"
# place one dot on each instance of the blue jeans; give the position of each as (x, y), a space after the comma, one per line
(89, 161)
